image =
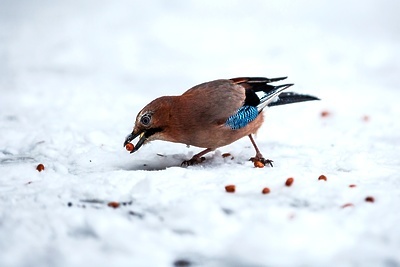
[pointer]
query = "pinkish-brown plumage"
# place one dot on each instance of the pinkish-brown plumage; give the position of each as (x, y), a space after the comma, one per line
(199, 116)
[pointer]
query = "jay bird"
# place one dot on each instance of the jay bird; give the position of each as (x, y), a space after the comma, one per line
(212, 114)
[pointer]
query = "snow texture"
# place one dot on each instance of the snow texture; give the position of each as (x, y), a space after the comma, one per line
(74, 74)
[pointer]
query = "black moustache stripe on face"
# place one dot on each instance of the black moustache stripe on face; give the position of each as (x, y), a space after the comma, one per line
(152, 131)
(146, 134)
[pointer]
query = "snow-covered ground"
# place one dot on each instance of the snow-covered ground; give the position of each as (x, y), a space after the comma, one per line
(74, 74)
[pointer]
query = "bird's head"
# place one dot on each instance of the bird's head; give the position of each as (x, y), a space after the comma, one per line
(150, 122)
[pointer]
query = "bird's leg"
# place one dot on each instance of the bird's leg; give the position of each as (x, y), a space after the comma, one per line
(198, 158)
(259, 156)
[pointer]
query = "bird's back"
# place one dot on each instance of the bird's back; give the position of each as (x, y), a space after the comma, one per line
(212, 102)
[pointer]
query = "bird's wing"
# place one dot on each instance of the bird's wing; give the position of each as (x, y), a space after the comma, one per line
(254, 82)
(259, 93)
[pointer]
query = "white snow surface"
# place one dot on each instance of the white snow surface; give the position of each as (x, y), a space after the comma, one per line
(74, 74)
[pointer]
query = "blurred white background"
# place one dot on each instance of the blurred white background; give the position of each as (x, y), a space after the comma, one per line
(158, 47)
(74, 74)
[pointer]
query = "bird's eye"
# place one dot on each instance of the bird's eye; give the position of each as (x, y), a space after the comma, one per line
(145, 119)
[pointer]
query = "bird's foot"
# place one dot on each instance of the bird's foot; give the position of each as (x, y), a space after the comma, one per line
(193, 161)
(262, 160)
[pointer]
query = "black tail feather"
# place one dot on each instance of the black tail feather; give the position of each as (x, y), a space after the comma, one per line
(291, 97)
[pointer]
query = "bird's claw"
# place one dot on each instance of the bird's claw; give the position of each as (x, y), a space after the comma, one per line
(263, 161)
(193, 161)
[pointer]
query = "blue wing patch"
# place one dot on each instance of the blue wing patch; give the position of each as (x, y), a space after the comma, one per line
(242, 117)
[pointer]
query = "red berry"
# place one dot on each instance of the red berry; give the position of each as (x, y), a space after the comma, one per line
(230, 188)
(266, 190)
(40, 167)
(289, 181)
(129, 146)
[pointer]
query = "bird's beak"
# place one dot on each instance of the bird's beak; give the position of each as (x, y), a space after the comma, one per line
(132, 136)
